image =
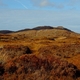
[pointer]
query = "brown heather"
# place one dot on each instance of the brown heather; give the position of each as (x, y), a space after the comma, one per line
(40, 54)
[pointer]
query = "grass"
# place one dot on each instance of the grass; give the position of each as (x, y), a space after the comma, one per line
(42, 46)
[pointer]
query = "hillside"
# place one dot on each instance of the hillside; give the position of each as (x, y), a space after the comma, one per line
(5, 31)
(45, 32)
(41, 53)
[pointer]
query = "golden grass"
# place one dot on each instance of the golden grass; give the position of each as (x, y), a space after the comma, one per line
(37, 39)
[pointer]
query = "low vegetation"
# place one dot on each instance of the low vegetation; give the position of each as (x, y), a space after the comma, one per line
(43, 53)
(31, 67)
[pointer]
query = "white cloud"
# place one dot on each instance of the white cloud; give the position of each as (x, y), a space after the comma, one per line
(42, 3)
(70, 4)
(45, 3)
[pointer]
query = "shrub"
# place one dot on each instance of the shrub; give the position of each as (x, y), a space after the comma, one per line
(31, 67)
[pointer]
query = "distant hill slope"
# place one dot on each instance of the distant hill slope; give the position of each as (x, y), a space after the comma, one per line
(23, 30)
(42, 27)
(5, 31)
(42, 32)
(36, 28)
(46, 32)
(62, 28)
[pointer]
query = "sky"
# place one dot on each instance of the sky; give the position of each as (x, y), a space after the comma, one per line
(20, 14)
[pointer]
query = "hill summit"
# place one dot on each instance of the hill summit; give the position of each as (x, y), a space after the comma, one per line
(45, 27)
(47, 32)
(35, 28)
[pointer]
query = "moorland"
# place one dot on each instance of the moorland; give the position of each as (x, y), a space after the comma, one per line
(41, 53)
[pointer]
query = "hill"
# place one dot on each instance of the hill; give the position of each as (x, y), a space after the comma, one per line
(6, 31)
(42, 27)
(41, 53)
(45, 32)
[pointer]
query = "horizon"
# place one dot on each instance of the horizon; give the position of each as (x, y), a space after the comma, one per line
(21, 14)
(54, 27)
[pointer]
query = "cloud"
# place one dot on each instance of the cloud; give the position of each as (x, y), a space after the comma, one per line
(42, 3)
(47, 3)
(63, 4)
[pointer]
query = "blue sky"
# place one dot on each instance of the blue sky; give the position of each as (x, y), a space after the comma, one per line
(21, 14)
